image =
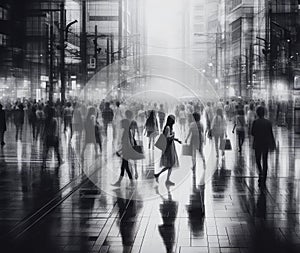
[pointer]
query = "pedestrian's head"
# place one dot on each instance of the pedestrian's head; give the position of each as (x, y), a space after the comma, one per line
(91, 111)
(196, 116)
(170, 121)
(161, 106)
(260, 111)
(107, 105)
(241, 112)
(208, 103)
(118, 104)
(151, 115)
(220, 112)
(40, 107)
(129, 114)
(69, 104)
(251, 106)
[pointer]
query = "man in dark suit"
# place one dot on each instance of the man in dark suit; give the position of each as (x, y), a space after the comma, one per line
(263, 142)
(2, 125)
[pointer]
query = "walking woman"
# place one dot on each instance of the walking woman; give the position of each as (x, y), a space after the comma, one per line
(240, 125)
(40, 117)
(182, 119)
(77, 122)
(169, 158)
(151, 127)
(19, 120)
(51, 136)
(126, 150)
(89, 127)
(196, 132)
(251, 115)
(218, 130)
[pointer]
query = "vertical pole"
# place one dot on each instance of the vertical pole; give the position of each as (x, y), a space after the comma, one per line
(107, 62)
(62, 52)
(217, 56)
(120, 37)
(240, 60)
(251, 56)
(51, 52)
(96, 47)
(247, 70)
(269, 57)
(112, 48)
(83, 45)
(120, 29)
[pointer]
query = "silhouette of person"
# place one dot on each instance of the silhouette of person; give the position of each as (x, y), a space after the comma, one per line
(263, 141)
(2, 125)
(51, 138)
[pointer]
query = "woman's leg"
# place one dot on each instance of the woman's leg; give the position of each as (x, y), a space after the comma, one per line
(126, 164)
(56, 149)
(168, 181)
(135, 170)
(239, 141)
(217, 144)
(158, 174)
(194, 156)
(123, 167)
(45, 153)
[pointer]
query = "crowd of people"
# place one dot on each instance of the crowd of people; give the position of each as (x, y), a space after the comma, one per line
(196, 123)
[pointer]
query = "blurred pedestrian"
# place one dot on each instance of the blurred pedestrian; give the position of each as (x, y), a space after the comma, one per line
(218, 130)
(68, 115)
(77, 121)
(196, 135)
(51, 136)
(263, 141)
(169, 158)
(2, 125)
(151, 128)
(107, 116)
(19, 120)
(239, 126)
(125, 149)
(89, 129)
(182, 119)
(161, 116)
(40, 120)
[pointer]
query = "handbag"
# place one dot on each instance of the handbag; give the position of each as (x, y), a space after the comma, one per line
(139, 151)
(187, 150)
(161, 142)
(226, 145)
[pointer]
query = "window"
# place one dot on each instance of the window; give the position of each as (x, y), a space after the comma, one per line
(3, 39)
(3, 13)
(236, 30)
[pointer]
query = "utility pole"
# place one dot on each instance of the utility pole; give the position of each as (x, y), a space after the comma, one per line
(62, 52)
(217, 54)
(96, 47)
(83, 45)
(51, 53)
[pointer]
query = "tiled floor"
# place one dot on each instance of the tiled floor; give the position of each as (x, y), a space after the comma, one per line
(66, 211)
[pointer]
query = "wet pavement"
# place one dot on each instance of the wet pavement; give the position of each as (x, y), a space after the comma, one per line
(75, 208)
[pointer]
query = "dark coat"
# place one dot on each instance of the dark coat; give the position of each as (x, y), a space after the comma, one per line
(2, 121)
(263, 135)
(19, 117)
